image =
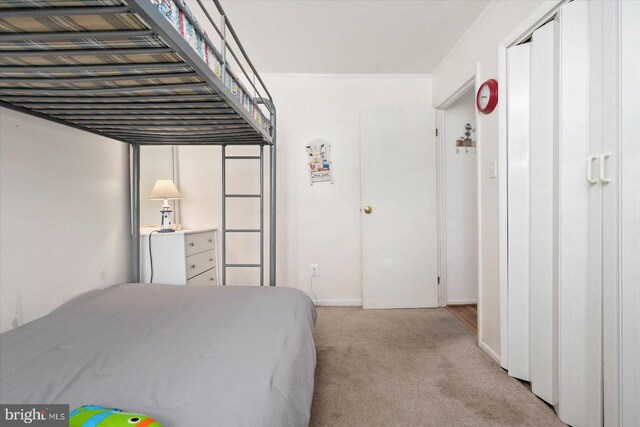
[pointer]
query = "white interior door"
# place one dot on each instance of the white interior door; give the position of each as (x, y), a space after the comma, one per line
(518, 60)
(399, 236)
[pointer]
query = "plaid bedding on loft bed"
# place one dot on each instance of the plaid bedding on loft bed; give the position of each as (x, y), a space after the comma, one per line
(72, 67)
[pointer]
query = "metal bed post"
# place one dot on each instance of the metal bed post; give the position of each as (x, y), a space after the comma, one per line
(135, 211)
(261, 214)
(224, 216)
(272, 200)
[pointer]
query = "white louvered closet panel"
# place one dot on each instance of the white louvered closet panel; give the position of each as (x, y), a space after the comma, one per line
(580, 228)
(628, 212)
(518, 64)
(543, 152)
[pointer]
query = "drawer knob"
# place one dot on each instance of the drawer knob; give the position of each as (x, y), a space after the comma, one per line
(192, 244)
(193, 266)
(211, 259)
(210, 240)
(211, 278)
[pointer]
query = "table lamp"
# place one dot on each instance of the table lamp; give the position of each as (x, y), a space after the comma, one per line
(165, 189)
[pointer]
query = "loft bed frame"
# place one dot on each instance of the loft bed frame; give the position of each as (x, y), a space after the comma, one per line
(142, 72)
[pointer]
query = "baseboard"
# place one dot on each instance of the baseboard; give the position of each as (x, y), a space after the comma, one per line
(339, 303)
(461, 301)
(489, 351)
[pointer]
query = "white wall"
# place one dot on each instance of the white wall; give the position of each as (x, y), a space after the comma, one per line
(461, 203)
(477, 52)
(64, 217)
(317, 224)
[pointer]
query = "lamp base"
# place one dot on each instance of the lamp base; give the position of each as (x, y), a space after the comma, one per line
(165, 224)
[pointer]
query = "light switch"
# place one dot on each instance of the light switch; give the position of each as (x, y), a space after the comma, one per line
(493, 169)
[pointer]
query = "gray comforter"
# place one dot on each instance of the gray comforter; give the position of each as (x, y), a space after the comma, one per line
(187, 356)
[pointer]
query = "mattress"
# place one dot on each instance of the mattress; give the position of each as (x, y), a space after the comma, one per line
(187, 356)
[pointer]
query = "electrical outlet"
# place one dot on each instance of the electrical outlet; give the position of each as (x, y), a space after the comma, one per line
(314, 270)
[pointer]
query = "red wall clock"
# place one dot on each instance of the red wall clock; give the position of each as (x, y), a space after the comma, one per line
(487, 97)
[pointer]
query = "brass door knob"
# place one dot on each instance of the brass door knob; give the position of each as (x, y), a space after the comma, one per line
(368, 209)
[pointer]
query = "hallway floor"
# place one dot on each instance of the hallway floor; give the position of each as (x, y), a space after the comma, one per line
(412, 368)
(467, 314)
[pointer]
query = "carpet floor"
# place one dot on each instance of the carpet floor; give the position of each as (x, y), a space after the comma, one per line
(412, 368)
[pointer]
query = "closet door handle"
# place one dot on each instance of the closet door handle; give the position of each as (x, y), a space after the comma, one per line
(590, 177)
(603, 162)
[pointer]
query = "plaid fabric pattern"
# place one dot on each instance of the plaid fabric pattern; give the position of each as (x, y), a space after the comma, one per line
(125, 42)
(25, 4)
(43, 24)
(33, 88)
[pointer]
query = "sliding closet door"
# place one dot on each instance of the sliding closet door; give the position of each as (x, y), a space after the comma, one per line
(518, 60)
(580, 225)
(543, 277)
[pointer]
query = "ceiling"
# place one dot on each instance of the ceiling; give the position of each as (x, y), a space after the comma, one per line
(349, 36)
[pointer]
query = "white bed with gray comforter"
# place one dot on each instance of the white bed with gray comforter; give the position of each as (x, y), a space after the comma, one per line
(187, 356)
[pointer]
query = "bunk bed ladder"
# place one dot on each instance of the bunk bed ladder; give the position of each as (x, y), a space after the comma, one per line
(226, 230)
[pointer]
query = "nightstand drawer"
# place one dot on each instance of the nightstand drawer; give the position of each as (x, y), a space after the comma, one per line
(208, 278)
(199, 242)
(199, 263)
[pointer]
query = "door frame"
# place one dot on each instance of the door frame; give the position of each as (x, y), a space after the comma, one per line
(469, 83)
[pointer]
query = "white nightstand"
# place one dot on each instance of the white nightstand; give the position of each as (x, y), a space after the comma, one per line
(185, 257)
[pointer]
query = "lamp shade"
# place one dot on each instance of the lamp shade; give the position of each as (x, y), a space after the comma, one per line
(165, 189)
